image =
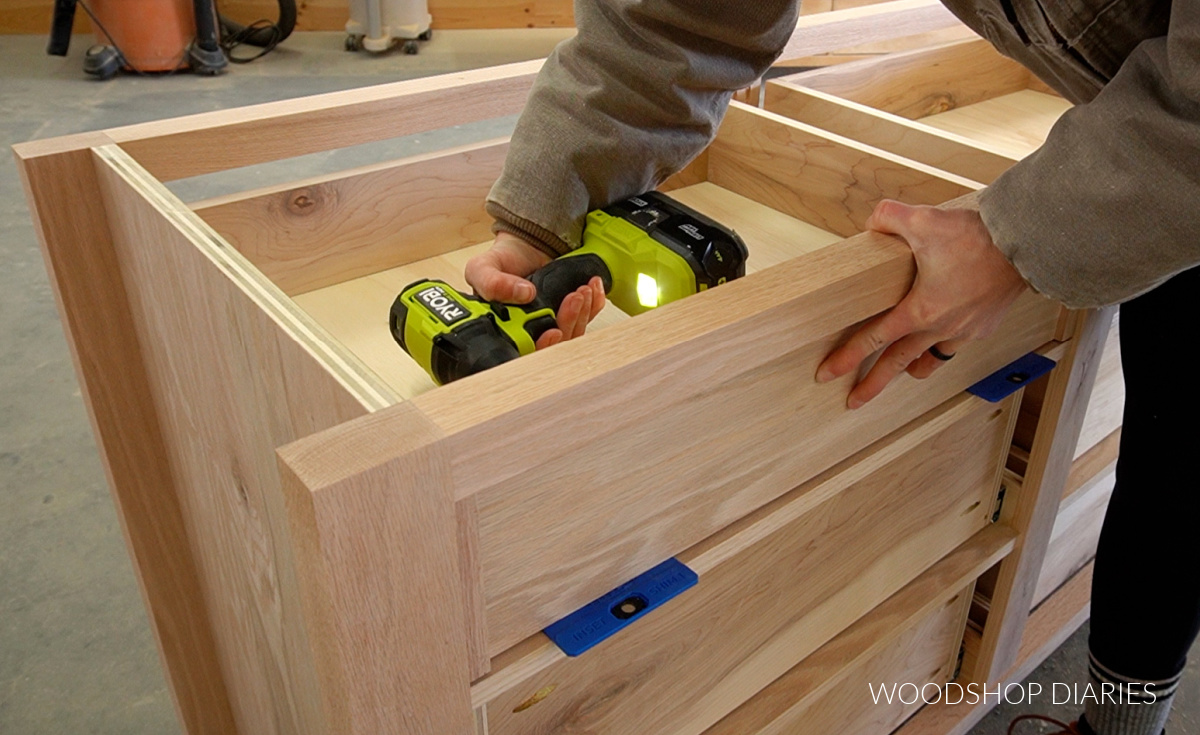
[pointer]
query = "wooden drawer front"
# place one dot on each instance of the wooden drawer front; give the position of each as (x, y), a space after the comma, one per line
(1106, 408)
(1076, 532)
(840, 699)
(779, 584)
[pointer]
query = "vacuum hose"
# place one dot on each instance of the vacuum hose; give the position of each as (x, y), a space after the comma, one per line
(263, 36)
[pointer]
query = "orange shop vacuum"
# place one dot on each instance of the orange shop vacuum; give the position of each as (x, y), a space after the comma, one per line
(164, 36)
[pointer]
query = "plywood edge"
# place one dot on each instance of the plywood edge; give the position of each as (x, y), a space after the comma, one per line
(372, 517)
(371, 392)
(820, 671)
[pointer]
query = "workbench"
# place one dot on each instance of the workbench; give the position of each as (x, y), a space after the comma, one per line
(327, 543)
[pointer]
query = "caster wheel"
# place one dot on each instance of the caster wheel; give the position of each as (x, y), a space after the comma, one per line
(428, 34)
(354, 43)
(102, 62)
(411, 48)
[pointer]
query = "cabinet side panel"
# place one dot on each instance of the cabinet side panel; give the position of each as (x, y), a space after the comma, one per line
(92, 301)
(230, 384)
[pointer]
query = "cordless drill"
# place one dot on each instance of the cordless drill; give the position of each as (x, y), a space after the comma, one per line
(648, 250)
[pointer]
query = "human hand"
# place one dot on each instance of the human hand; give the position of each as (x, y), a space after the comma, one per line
(963, 288)
(500, 274)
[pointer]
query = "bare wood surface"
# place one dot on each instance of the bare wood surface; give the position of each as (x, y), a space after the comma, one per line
(935, 80)
(759, 388)
(1033, 513)
(1049, 626)
(1076, 534)
(802, 693)
(900, 513)
(1106, 410)
(216, 141)
(822, 32)
(309, 234)
(950, 152)
(470, 577)
(373, 517)
(1014, 124)
(73, 230)
(355, 311)
(192, 301)
(824, 179)
(1093, 462)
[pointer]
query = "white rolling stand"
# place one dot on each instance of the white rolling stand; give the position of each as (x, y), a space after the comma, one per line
(379, 25)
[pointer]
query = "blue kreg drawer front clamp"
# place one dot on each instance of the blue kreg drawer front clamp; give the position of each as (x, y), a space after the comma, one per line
(1017, 374)
(601, 618)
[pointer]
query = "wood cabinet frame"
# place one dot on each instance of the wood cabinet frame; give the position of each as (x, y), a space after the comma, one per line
(308, 547)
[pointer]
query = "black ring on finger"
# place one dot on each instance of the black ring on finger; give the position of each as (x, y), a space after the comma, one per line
(933, 350)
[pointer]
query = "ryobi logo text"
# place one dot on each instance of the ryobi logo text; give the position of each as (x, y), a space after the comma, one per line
(442, 306)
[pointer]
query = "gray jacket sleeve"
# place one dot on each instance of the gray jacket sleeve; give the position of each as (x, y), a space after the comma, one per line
(1109, 207)
(635, 96)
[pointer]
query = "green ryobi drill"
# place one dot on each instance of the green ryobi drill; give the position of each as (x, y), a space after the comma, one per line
(648, 250)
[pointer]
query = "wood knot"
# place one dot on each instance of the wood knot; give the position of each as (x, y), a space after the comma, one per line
(302, 201)
(940, 103)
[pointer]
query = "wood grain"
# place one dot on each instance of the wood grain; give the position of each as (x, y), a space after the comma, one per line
(192, 301)
(825, 685)
(1076, 533)
(216, 141)
(725, 413)
(935, 80)
(823, 179)
(948, 151)
(318, 232)
(821, 32)
(94, 303)
(784, 592)
(1032, 515)
(373, 517)
(1106, 409)
(1014, 124)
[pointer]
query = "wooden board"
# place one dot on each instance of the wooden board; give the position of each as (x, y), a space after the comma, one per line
(1106, 409)
(947, 151)
(1014, 124)
(313, 233)
(355, 311)
(803, 569)
(1076, 533)
(935, 80)
(192, 299)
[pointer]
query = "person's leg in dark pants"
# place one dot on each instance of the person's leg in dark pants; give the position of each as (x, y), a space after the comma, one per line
(1146, 589)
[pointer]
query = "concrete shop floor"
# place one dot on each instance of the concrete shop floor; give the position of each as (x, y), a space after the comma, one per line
(76, 654)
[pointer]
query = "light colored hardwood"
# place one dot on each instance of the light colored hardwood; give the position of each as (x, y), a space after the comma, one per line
(543, 558)
(216, 141)
(1015, 124)
(947, 151)
(1048, 627)
(1093, 462)
(323, 231)
(935, 80)
(815, 691)
(72, 225)
(824, 179)
(1067, 392)
(354, 311)
(373, 524)
(1076, 533)
(899, 508)
(1106, 410)
(221, 424)
(819, 33)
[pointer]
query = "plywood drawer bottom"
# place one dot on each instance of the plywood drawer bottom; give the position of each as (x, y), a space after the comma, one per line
(1076, 533)
(773, 587)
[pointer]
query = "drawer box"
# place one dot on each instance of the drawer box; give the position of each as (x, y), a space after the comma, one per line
(328, 544)
(773, 587)
(961, 107)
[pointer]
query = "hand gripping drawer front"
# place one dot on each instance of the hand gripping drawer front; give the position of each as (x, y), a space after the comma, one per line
(773, 587)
